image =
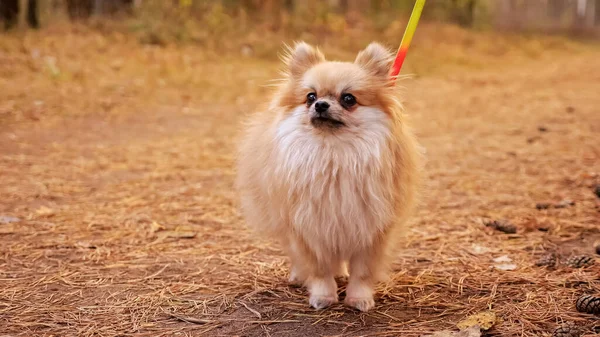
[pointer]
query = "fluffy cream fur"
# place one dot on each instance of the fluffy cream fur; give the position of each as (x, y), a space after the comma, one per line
(333, 197)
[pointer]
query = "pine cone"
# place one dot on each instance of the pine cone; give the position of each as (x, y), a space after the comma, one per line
(548, 260)
(567, 330)
(502, 225)
(580, 261)
(588, 304)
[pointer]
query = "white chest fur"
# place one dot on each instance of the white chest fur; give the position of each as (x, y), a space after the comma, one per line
(337, 183)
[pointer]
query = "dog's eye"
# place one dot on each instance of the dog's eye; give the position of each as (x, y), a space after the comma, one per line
(348, 100)
(311, 98)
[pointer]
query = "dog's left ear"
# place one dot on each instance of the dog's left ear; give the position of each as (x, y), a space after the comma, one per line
(375, 58)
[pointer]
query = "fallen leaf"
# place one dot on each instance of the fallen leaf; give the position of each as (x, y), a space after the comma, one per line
(478, 250)
(504, 263)
(484, 320)
(44, 211)
(51, 64)
(473, 331)
(84, 244)
(155, 227)
(506, 266)
(502, 259)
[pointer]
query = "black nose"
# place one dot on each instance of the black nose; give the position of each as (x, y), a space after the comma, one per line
(321, 106)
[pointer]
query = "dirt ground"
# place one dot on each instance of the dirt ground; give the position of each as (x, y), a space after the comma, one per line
(118, 215)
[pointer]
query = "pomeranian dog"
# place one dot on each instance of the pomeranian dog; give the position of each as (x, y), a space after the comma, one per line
(331, 170)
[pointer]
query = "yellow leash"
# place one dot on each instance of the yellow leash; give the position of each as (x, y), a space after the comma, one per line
(407, 38)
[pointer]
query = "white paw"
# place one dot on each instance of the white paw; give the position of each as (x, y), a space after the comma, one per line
(323, 292)
(359, 295)
(322, 302)
(361, 303)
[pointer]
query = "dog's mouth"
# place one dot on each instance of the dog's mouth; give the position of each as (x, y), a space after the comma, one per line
(328, 122)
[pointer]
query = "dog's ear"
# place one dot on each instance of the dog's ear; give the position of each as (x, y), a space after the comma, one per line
(376, 59)
(302, 57)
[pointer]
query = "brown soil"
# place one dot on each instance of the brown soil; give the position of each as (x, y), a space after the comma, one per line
(119, 164)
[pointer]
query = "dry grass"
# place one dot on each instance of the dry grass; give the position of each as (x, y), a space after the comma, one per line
(118, 159)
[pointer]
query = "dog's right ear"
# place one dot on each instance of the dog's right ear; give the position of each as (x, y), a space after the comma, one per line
(302, 57)
(376, 59)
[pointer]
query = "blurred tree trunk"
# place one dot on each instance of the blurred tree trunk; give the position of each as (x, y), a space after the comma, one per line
(249, 6)
(334, 4)
(114, 6)
(307, 7)
(378, 6)
(343, 5)
(98, 8)
(354, 6)
(80, 9)
(556, 8)
(9, 12)
(32, 14)
(289, 5)
(510, 14)
(597, 12)
(463, 12)
(580, 15)
(272, 13)
(469, 13)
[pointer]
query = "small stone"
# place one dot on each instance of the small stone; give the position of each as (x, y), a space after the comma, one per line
(567, 330)
(543, 205)
(598, 249)
(570, 109)
(542, 128)
(597, 190)
(580, 261)
(548, 260)
(588, 304)
(501, 225)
